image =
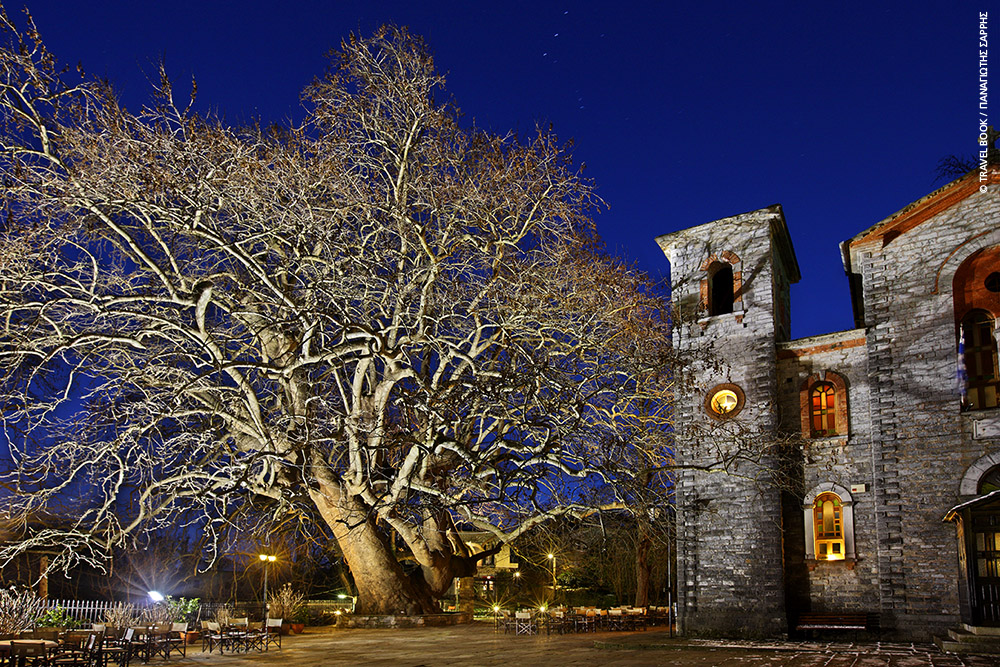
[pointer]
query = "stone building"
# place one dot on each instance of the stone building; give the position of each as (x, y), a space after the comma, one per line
(879, 492)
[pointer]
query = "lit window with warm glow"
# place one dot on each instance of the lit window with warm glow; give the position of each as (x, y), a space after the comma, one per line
(823, 411)
(724, 402)
(828, 527)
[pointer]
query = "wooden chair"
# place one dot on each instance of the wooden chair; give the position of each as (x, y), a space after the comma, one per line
(557, 622)
(525, 623)
(29, 653)
(141, 643)
(78, 649)
(212, 637)
(272, 632)
(173, 640)
(117, 649)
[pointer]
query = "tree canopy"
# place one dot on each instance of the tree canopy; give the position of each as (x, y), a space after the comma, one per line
(377, 319)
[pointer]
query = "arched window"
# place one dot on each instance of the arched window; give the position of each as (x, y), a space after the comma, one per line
(990, 481)
(720, 289)
(979, 353)
(828, 513)
(823, 410)
(828, 527)
(823, 406)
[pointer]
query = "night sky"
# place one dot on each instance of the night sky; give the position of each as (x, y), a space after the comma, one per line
(683, 114)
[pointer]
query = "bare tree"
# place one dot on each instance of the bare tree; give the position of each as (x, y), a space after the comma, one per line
(375, 318)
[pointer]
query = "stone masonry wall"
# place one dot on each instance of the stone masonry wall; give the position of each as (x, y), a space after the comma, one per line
(922, 444)
(845, 460)
(729, 529)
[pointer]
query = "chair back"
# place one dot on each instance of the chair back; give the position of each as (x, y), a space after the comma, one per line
(245, 621)
(48, 634)
(127, 635)
(99, 627)
(27, 648)
(179, 627)
(273, 623)
(162, 628)
(522, 614)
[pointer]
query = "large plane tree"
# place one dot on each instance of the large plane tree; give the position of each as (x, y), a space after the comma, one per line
(379, 319)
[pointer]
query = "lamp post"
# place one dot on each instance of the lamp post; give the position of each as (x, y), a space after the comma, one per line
(266, 558)
(552, 557)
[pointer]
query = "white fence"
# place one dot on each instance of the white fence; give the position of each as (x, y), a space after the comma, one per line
(82, 610)
(92, 611)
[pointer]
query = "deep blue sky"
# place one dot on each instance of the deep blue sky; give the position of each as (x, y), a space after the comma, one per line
(683, 114)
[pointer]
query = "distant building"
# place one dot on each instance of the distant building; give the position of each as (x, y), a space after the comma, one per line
(500, 564)
(896, 459)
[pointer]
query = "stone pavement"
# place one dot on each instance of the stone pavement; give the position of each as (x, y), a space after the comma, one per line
(478, 645)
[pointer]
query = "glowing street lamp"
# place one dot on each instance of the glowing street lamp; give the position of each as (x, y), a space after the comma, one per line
(156, 596)
(343, 596)
(266, 558)
(552, 557)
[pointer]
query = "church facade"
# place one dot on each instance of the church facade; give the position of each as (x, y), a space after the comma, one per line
(847, 472)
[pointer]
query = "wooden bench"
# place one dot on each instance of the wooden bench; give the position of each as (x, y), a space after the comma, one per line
(811, 621)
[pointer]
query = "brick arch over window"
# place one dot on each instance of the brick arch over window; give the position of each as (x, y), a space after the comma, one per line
(969, 486)
(949, 267)
(976, 297)
(840, 411)
(726, 262)
(969, 288)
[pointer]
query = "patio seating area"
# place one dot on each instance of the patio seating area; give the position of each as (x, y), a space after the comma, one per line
(101, 646)
(563, 620)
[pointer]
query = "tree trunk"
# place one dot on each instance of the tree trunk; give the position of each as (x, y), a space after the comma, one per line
(382, 585)
(643, 569)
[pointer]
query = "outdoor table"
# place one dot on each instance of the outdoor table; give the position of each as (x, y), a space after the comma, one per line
(5, 645)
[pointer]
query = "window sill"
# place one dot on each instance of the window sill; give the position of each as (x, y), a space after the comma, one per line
(840, 440)
(849, 563)
(980, 412)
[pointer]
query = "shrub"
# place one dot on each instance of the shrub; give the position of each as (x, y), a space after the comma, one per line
(18, 610)
(183, 609)
(57, 617)
(122, 615)
(223, 615)
(285, 603)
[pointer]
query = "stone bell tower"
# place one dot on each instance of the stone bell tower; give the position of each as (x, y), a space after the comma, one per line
(729, 289)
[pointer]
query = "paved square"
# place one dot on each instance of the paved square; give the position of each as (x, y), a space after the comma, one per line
(478, 645)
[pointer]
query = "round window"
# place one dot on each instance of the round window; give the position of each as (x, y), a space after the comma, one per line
(724, 401)
(992, 282)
